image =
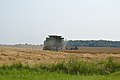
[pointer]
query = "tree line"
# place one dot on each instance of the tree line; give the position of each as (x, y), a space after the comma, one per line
(93, 43)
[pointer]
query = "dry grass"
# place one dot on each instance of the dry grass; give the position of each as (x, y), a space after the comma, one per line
(9, 55)
(95, 50)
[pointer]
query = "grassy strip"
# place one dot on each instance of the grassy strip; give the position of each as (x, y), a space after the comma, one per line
(85, 68)
(103, 70)
(71, 67)
(25, 74)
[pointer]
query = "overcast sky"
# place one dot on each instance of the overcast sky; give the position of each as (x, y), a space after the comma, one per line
(30, 21)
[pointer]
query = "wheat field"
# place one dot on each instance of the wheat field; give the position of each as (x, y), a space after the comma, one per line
(10, 55)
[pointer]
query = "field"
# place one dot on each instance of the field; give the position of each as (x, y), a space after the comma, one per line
(31, 56)
(32, 75)
(33, 63)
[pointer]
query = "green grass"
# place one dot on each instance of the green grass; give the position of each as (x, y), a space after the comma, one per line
(25, 74)
(83, 68)
(71, 70)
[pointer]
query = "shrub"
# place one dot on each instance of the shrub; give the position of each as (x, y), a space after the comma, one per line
(72, 67)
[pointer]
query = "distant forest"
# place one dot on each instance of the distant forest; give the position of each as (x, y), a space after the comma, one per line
(93, 43)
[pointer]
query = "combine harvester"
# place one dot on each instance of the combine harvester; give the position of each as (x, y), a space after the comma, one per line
(57, 43)
(53, 43)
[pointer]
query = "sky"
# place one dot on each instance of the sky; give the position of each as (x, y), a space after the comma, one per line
(30, 21)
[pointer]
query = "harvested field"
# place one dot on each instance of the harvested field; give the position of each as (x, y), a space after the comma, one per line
(10, 55)
(96, 50)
